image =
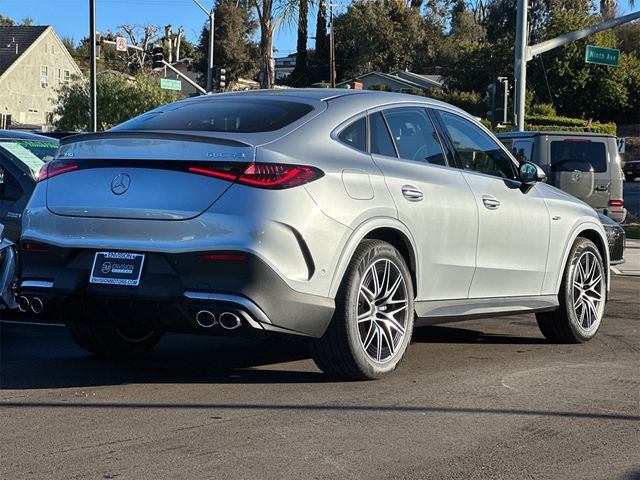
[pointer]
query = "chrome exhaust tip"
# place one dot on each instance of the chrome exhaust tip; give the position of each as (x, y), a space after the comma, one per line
(230, 321)
(205, 319)
(23, 304)
(37, 305)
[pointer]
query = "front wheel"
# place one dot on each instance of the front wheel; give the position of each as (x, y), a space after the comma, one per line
(373, 321)
(582, 297)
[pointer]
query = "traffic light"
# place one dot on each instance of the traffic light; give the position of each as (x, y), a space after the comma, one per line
(157, 57)
(498, 97)
(221, 78)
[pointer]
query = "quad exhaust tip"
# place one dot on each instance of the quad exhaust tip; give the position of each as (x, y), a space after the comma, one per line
(206, 319)
(230, 321)
(37, 305)
(23, 304)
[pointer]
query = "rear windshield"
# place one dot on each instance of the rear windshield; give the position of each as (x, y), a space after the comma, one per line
(569, 156)
(33, 153)
(221, 115)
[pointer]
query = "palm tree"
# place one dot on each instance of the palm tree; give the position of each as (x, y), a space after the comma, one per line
(271, 14)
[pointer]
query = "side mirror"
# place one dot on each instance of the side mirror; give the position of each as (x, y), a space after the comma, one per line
(531, 173)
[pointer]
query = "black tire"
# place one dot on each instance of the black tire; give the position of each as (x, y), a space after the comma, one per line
(342, 352)
(567, 323)
(103, 336)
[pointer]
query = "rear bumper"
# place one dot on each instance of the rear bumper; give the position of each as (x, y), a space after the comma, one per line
(175, 287)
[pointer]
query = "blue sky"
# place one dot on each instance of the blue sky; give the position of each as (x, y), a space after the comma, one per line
(70, 17)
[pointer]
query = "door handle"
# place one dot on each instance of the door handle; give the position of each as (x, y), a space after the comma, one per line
(492, 203)
(412, 193)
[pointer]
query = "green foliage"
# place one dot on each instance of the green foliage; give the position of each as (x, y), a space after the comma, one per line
(234, 49)
(6, 21)
(471, 102)
(376, 35)
(542, 110)
(119, 98)
(565, 124)
(380, 88)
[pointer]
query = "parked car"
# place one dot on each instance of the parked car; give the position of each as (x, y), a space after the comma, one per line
(631, 170)
(21, 158)
(616, 239)
(585, 165)
(346, 217)
(8, 272)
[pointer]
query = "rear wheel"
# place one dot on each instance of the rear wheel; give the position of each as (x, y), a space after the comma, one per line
(106, 337)
(582, 297)
(373, 322)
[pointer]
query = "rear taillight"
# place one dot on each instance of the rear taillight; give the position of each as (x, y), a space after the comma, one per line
(223, 257)
(616, 203)
(56, 167)
(274, 176)
(34, 247)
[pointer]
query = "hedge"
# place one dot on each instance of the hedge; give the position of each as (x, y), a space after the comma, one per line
(609, 128)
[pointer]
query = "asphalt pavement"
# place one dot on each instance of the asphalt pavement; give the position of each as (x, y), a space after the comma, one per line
(484, 399)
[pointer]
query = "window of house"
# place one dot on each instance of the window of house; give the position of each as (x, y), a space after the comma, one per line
(66, 76)
(44, 76)
(58, 76)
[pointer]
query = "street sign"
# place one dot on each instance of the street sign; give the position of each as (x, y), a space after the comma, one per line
(169, 84)
(121, 44)
(602, 56)
(621, 144)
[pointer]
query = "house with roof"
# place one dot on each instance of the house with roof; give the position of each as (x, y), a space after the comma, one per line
(398, 81)
(33, 64)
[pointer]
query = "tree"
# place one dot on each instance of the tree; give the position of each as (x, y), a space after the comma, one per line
(376, 35)
(6, 21)
(120, 98)
(234, 48)
(271, 14)
(300, 75)
(143, 37)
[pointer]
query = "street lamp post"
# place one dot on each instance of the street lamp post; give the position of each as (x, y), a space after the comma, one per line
(212, 21)
(93, 103)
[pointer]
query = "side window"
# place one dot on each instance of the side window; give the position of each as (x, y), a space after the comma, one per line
(355, 135)
(10, 189)
(414, 135)
(523, 150)
(475, 150)
(381, 142)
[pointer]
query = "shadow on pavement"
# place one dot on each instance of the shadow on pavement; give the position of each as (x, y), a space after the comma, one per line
(36, 357)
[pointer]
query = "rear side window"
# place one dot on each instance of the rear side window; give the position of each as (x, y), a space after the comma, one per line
(232, 114)
(578, 155)
(381, 142)
(355, 135)
(414, 135)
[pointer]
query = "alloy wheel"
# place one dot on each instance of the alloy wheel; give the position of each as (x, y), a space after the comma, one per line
(588, 291)
(382, 310)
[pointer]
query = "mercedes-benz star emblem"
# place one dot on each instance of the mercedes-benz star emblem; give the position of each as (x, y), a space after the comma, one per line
(120, 183)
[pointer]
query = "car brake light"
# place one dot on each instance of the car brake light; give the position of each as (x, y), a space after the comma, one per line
(35, 247)
(616, 203)
(274, 176)
(56, 167)
(228, 257)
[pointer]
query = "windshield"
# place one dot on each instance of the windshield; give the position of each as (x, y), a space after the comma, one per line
(578, 155)
(32, 153)
(221, 115)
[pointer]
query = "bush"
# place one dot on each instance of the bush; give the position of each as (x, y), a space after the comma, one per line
(608, 128)
(543, 109)
(471, 102)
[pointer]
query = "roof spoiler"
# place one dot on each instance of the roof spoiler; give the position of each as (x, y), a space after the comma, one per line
(188, 137)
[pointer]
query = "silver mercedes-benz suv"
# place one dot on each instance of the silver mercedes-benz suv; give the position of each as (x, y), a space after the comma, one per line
(347, 217)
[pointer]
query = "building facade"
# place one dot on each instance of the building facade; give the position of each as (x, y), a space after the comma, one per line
(34, 63)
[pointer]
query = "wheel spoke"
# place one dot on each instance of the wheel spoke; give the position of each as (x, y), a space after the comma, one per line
(370, 335)
(393, 323)
(379, 343)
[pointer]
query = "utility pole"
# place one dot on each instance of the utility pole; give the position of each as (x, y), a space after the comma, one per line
(332, 52)
(93, 95)
(212, 21)
(525, 52)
